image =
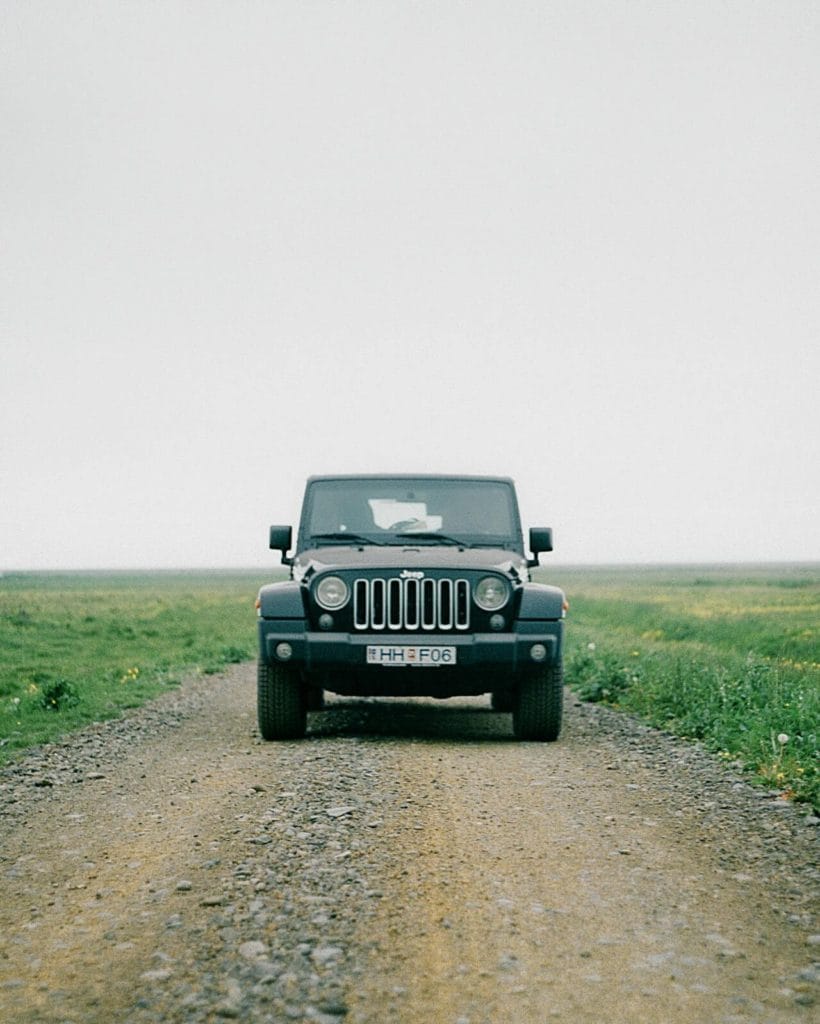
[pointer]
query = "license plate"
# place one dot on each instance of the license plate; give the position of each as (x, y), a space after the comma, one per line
(425, 657)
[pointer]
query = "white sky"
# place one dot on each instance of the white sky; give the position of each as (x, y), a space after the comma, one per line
(572, 242)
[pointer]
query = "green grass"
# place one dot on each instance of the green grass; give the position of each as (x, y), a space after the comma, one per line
(82, 647)
(729, 656)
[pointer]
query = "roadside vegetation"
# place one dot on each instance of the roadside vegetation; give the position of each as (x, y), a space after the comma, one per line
(728, 656)
(82, 647)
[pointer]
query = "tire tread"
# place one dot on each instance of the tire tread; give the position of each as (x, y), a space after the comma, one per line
(538, 706)
(280, 703)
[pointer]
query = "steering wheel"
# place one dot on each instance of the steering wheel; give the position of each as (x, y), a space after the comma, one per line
(404, 524)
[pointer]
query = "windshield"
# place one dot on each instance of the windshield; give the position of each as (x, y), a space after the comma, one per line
(403, 510)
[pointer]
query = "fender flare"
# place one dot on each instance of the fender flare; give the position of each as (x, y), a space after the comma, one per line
(281, 601)
(541, 602)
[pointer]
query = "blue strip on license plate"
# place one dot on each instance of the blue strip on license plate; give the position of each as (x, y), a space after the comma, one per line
(401, 655)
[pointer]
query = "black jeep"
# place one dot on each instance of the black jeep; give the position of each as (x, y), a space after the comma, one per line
(410, 586)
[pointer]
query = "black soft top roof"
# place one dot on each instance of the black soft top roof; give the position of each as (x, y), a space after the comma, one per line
(411, 476)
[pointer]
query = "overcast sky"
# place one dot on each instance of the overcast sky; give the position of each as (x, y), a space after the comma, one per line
(571, 242)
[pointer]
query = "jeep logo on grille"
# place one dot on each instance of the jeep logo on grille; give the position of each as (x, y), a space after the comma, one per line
(406, 574)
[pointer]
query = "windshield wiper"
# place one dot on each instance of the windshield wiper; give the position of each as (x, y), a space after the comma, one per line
(346, 535)
(441, 538)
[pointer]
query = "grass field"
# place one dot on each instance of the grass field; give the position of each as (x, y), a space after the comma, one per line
(727, 656)
(81, 647)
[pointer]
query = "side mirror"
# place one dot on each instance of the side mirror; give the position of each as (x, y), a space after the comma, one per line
(540, 540)
(281, 538)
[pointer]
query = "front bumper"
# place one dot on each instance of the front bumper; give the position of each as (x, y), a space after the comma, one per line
(313, 651)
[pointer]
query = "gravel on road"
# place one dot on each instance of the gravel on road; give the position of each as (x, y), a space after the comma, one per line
(407, 862)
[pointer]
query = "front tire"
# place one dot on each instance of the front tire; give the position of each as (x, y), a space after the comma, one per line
(280, 703)
(538, 705)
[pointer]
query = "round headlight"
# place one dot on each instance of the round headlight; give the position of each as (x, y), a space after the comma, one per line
(331, 592)
(491, 593)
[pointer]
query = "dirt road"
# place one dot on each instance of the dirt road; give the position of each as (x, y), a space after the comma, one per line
(408, 862)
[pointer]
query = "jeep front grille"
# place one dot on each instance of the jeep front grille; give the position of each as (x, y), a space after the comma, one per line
(402, 604)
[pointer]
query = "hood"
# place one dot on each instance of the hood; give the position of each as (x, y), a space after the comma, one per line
(408, 556)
